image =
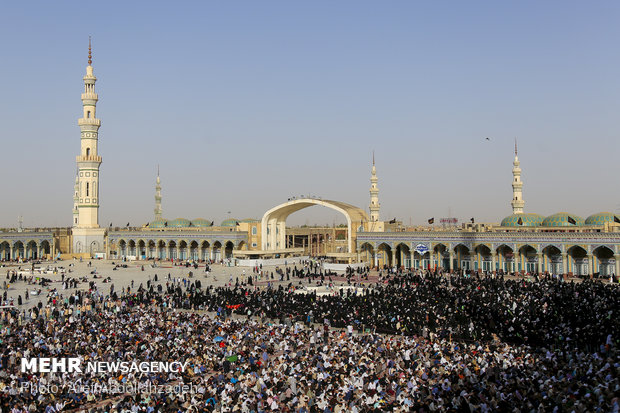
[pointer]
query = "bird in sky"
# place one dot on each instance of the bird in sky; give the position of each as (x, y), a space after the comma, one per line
(488, 139)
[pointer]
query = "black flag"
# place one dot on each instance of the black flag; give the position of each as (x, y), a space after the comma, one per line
(212, 222)
(165, 224)
(520, 221)
(392, 221)
(237, 223)
(128, 224)
(616, 219)
(110, 225)
(571, 220)
(147, 224)
(472, 220)
(431, 221)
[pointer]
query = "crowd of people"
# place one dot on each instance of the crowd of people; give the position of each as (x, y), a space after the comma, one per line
(411, 342)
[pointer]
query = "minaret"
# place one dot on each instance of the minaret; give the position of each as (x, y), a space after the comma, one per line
(88, 161)
(374, 193)
(517, 186)
(88, 237)
(158, 215)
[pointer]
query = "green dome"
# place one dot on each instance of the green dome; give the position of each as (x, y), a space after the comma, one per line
(522, 220)
(179, 223)
(601, 218)
(201, 223)
(232, 222)
(563, 219)
(158, 223)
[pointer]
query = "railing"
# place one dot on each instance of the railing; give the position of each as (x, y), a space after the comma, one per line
(84, 158)
(89, 121)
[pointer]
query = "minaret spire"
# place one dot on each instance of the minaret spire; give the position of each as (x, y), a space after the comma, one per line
(517, 186)
(90, 53)
(158, 214)
(515, 146)
(374, 193)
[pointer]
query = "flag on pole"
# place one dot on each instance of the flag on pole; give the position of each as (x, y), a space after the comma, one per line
(431, 221)
(571, 220)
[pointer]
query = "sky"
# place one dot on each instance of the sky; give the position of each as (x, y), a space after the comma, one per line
(244, 104)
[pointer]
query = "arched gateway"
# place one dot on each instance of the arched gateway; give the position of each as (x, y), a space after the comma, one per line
(274, 220)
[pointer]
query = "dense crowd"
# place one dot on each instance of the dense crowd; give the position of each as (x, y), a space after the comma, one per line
(423, 343)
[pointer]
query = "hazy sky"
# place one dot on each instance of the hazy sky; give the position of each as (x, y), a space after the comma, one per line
(244, 104)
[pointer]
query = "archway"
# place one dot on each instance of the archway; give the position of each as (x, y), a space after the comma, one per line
(274, 221)
(217, 251)
(204, 250)
(182, 250)
(122, 248)
(553, 260)
(18, 250)
(228, 250)
(132, 248)
(141, 250)
(442, 255)
(577, 261)
(403, 256)
(161, 246)
(172, 250)
(384, 256)
(5, 251)
(367, 254)
(527, 260)
(31, 250)
(604, 260)
(193, 251)
(46, 249)
(463, 257)
(506, 257)
(484, 252)
(151, 250)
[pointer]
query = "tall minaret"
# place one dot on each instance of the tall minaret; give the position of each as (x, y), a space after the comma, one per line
(88, 161)
(158, 215)
(517, 186)
(374, 193)
(88, 237)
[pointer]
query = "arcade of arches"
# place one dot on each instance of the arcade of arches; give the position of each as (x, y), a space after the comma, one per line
(574, 260)
(175, 249)
(24, 249)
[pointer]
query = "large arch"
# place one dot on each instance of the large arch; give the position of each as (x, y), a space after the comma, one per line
(274, 221)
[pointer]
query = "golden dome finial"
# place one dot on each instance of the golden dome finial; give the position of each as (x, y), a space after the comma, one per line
(90, 53)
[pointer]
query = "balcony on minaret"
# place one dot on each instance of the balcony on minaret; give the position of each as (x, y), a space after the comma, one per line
(89, 121)
(90, 97)
(88, 158)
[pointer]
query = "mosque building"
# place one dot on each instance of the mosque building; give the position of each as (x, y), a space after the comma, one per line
(562, 243)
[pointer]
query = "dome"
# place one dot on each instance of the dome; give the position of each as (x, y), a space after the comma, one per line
(179, 223)
(232, 222)
(563, 219)
(522, 220)
(158, 223)
(201, 223)
(601, 218)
